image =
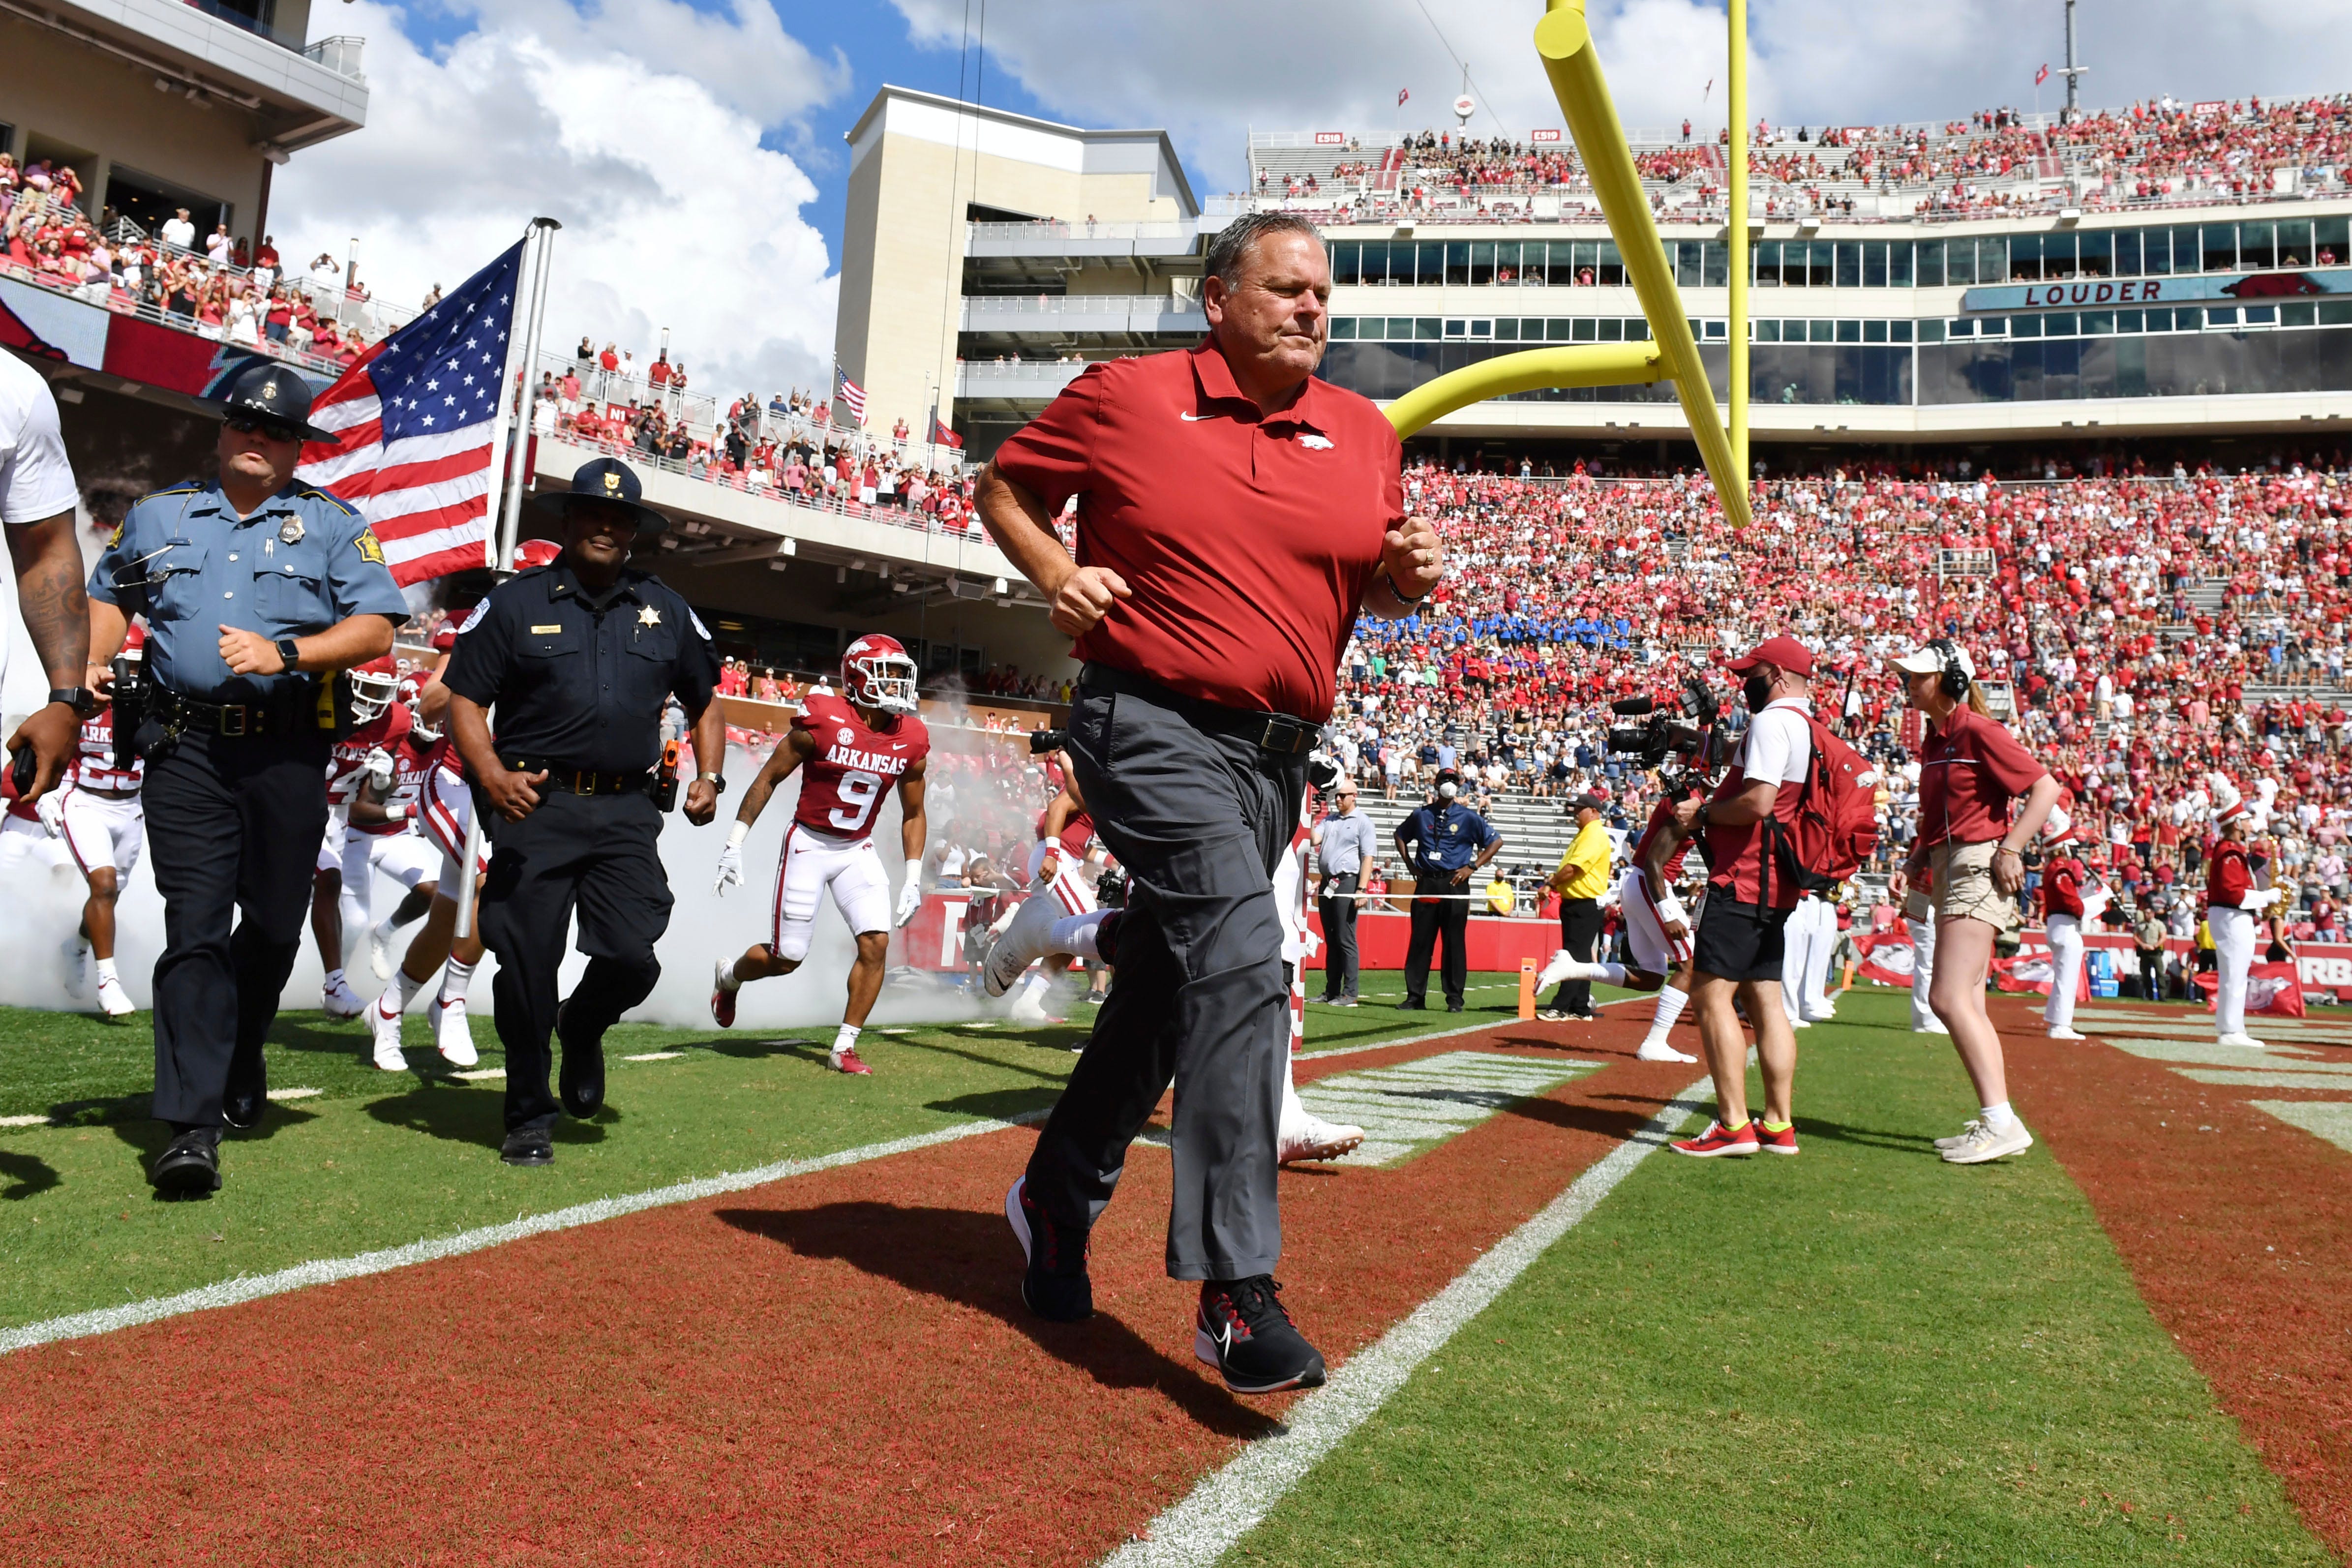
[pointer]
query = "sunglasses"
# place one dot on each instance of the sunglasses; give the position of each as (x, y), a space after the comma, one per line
(269, 429)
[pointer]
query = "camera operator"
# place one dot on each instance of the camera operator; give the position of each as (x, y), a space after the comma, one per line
(1443, 842)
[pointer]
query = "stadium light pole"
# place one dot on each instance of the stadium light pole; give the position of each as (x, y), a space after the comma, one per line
(1736, 187)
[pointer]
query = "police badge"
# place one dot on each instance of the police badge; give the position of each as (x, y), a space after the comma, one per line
(291, 532)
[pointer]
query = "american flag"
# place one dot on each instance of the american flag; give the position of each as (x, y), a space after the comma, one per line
(850, 393)
(414, 421)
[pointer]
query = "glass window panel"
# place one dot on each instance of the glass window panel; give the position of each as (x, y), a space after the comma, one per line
(1431, 273)
(2331, 242)
(1558, 330)
(1343, 329)
(2298, 314)
(1507, 331)
(1899, 331)
(1931, 331)
(2095, 255)
(1931, 264)
(1822, 331)
(1768, 332)
(1874, 263)
(2025, 326)
(1637, 330)
(2024, 258)
(1457, 264)
(2295, 243)
(1686, 264)
(2130, 322)
(1822, 272)
(2063, 325)
(2219, 241)
(1874, 332)
(2155, 252)
(1992, 258)
(1375, 266)
(1611, 267)
(2221, 316)
(1849, 331)
(2261, 315)
(1992, 326)
(2335, 313)
(1346, 262)
(1898, 264)
(1965, 327)
(2098, 323)
(1715, 264)
(2126, 244)
(1767, 265)
(1401, 328)
(1507, 261)
(1587, 329)
(1612, 330)
(1960, 262)
(1482, 264)
(1792, 332)
(2257, 246)
(1846, 262)
(2060, 255)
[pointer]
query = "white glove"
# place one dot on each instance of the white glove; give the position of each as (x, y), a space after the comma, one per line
(379, 769)
(731, 859)
(2261, 898)
(51, 809)
(910, 893)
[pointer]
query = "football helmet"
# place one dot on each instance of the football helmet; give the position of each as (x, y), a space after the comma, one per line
(412, 688)
(374, 686)
(877, 673)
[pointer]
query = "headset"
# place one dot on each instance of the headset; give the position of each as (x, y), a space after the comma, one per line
(1954, 680)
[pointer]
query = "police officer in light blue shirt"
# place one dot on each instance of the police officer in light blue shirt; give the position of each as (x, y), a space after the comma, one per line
(1443, 843)
(256, 591)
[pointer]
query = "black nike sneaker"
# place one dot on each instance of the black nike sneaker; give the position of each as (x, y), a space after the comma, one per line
(1054, 1285)
(1244, 1332)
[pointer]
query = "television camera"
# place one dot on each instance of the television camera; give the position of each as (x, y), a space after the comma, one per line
(1683, 741)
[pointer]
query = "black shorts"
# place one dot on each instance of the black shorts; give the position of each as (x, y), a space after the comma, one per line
(1738, 942)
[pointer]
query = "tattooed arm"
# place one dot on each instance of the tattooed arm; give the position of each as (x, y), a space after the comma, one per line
(56, 611)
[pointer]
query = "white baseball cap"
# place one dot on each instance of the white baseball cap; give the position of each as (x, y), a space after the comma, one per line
(1929, 659)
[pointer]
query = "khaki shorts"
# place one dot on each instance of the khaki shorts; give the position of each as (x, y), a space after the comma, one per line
(1964, 887)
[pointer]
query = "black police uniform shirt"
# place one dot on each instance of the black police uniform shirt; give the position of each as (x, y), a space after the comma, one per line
(182, 558)
(579, 680)
(1445, 836)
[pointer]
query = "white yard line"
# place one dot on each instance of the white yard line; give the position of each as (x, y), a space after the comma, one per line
(1228, 1504)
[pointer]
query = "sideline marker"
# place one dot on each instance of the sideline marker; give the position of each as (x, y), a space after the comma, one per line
(1526, 989)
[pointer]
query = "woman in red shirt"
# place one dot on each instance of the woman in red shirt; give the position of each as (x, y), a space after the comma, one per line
(1970, 768)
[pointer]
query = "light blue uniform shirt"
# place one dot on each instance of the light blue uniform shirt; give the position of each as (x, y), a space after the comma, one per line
(184, 558)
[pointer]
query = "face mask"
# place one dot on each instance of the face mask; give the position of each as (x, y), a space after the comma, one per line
(1448, 790)
(1757, 692)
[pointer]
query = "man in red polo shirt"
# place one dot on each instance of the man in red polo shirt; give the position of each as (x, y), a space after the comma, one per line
(1236, 515)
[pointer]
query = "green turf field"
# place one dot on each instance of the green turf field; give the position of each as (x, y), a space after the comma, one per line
(1860, 1355)
(375, 1160)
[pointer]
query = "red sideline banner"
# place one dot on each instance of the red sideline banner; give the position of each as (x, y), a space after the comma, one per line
(2271, 988)
(2322, 969)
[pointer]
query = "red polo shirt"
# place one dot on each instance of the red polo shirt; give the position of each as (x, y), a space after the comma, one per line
(1249, 539)
(1969, 769)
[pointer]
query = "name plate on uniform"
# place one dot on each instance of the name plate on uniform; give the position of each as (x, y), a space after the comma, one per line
(542, 631)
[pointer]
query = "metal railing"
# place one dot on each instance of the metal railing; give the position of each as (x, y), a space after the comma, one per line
(340, 54)
(976, 305)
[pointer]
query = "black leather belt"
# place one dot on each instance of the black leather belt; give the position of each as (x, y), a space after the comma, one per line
(565, 780)
(295, 714)
(1284, 735)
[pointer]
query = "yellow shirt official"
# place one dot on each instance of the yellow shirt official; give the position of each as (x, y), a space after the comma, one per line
(1588, 858)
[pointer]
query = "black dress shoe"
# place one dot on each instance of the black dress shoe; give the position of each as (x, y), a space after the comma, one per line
(1411, 1005)
(580, 1080)
(247, 1094)
(1454, 1006)
(528, 1146)
(189, 1166)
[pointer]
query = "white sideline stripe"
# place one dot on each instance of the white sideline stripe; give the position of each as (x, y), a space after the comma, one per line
(282, 1094)
(655, 1056)
(329, 1271)
(24, 1121)
(1230, 1502)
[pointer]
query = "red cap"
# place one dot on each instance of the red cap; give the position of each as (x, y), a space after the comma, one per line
(1781, 653)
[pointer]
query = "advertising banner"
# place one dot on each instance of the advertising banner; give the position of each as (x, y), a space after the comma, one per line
(2080, 293)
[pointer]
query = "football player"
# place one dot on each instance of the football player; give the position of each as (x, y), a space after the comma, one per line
(850, 751)
(1657, 933)
(381, 721)
(99, 818)
(1058, 888)
(442, 812)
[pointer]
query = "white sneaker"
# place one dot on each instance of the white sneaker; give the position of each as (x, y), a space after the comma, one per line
(113, 998)
(453, 1037)
(1801, 1023)
(380, 950)
(1962, 1136)
(1659, 1051)
(2241, 1038)
(385, 1034)
(1561, 967)
(77, 966)
(1316, 1139)
(1029, 1007)
(341, 1001)
(2063, 1033)
(1025, 941)
(1980, 1143)
(1932, 1027)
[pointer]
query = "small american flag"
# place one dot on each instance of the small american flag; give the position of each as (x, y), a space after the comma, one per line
(413, 422)
(852, 395)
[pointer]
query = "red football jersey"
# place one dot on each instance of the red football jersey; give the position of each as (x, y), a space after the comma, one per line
(1659, 817)
(1077, 832)
(348, 761)
(93, 767)
(841, 786)
(412, 761)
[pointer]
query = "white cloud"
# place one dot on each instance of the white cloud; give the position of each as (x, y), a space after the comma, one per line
(638, 127)
(1207, 69)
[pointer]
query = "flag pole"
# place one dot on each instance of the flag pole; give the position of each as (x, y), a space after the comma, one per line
(517, 477)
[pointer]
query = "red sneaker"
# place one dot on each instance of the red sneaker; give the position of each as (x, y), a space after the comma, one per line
(1714, 1141)
(1784, 1142)
(847, 1061)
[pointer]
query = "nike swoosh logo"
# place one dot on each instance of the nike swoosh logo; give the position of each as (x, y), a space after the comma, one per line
(1197, 418)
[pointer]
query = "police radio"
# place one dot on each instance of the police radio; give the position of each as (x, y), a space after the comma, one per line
(129, 693)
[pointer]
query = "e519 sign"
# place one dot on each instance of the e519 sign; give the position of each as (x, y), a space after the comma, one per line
(1330, 137)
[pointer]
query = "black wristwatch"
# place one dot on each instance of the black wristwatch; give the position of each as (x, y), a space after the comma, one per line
(290, 654)
(80, 699)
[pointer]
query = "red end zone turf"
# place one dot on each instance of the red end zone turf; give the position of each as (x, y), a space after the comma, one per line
(2238, 1231)
(834, 1369)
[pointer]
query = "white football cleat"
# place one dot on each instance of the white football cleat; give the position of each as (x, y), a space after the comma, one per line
(380, 937)
(1312, 1138)
(1025, 941)
(1029, 1007)
(339, 1000)
(2241, 1038)
(1561, 967)
(77, 955)
(453, 1037)
(385, 1035)
(2064, 1033)
(1659, 1051)
(113, 998)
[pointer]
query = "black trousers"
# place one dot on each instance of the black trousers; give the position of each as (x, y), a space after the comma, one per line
(1339, 935)
(593, 855)
(1199, 821)
(233, 827)
(1432, 918)
(1579, 932)
(2151, 973)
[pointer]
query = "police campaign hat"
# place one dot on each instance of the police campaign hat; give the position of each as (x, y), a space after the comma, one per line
(604, 480)
(273, 393)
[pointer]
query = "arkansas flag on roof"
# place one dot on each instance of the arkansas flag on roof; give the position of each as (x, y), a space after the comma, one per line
(415, 421)
(942, 435)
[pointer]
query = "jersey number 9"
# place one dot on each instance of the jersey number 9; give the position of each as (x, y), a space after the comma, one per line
(858, 793)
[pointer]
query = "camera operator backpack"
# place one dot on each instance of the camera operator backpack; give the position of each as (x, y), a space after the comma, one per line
(1836, 825)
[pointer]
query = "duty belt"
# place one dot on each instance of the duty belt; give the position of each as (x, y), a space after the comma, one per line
(563, 779)
(297, 713)
(1283, 734)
